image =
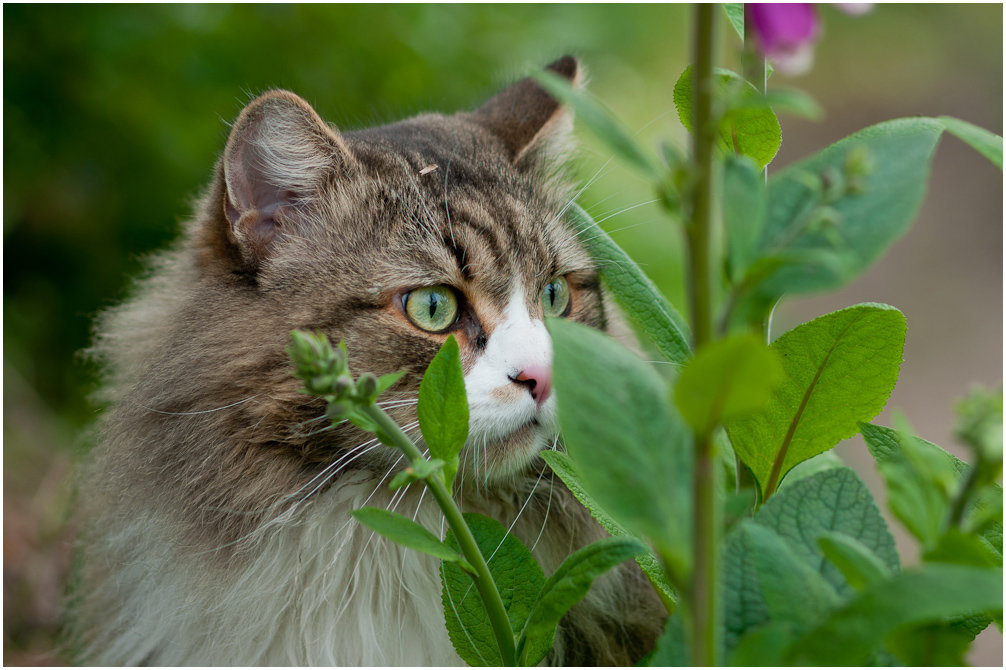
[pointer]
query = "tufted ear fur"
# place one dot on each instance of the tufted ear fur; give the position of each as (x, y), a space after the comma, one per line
(279, 154)
(525, 116)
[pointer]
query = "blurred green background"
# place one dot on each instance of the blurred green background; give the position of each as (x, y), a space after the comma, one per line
(114, 115)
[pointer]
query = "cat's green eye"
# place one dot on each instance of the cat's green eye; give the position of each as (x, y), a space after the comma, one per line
(432, 308)
(555, 297)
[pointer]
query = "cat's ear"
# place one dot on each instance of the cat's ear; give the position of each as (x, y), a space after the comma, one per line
(525, 116)
(278, 155)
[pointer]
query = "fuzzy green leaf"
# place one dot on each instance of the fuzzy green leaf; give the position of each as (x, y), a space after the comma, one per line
(406, 532)
(632, 451)
(518, 577)
(986, 143)
(644, 304)
(563, 466)
(672, 648)
(747, 128)
(852, 633)
(859, 566)
(921, 480)
(568, 585)
(726, 379)
(933, 645)
(765, 579)
(834, 500)
(840, 369)
(384, 382)
(763, 646)
(872, 182)
(745, 202)
(735, 14)
(443, 407)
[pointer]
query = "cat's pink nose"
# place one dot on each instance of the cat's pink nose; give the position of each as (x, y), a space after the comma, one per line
(538, 380)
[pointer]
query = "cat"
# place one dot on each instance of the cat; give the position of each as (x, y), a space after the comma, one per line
(216, 502)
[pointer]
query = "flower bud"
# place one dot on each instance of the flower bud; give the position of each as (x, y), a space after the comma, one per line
(343, 385)
(366, 386)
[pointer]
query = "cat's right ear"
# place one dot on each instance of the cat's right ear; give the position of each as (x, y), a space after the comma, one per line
(279, 154)
(527, 119)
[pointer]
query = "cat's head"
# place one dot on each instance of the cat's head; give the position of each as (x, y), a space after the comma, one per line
(394, 237)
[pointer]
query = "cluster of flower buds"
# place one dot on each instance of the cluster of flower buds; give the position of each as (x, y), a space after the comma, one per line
(325, 373)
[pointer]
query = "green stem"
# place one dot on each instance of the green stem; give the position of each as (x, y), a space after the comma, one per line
(700, 233)
(483, 579)
(959, 505)
(703, 603)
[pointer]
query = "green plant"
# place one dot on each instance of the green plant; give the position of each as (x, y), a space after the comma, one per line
(764, 550)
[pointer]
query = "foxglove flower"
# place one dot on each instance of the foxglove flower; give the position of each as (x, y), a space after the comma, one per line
(785, 33)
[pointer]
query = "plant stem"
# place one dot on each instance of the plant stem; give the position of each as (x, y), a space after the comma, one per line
(959, 505)
(704, 597)
(483, 579)
(700, 233)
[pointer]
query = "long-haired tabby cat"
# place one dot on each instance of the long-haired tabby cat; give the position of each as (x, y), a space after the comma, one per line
(217, 501)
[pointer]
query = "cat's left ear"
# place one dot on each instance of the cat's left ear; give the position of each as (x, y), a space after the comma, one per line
(526, 117)
(279, 155)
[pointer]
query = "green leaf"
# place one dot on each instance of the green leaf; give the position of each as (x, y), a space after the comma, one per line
(765, 579)
(986, 143)
(632, 451)
(418, 469)
(834, 500)
(852, 633)
(406, 532)
(518, 578)
(840, 369)
(826, 461)
(672, 648)
(763, 646)
(860, 566)
(443, 407)
(920, 480)
(932, 645)
(563, 466)
(872, 182)
(794, 592)
(567, 586)
(980, 426)
(747, 128)
(885, 446)
(601, 122)
(961, 548)
(384, 382)
(645, 305)
(745, 202)
(726, 379)
(735, 14)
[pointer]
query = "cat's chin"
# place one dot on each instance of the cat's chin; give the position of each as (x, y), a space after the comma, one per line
(509, 457)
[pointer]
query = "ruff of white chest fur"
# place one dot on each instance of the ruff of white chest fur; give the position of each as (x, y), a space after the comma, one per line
(316, 588)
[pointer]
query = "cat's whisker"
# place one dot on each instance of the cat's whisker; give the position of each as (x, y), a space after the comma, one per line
(583, 189)
(548, 506)
(396, 403)
(623, 211)
(396, 498)
(201, 411)
(512, 524)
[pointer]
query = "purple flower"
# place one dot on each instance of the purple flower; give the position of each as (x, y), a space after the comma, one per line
(785, 33)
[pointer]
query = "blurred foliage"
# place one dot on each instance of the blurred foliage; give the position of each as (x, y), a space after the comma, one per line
(114, 115)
